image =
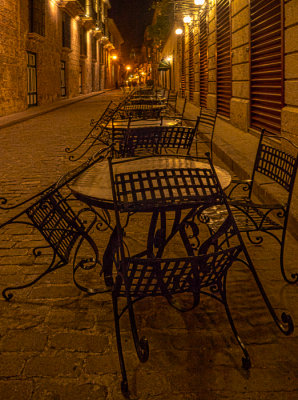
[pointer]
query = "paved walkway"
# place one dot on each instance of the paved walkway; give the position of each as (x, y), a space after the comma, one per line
(58, 344)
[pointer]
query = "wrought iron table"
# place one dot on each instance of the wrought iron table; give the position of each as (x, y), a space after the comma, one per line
(142, 123)
(94, 186)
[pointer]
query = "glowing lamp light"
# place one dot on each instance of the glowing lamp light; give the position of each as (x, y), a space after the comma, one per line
(178, 31)
(199, 2)
(128, 67)
(187, 19)
(114, 57)
(169, 58)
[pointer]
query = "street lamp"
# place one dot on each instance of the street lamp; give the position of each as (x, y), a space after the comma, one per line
(114, 57)
(187, 19)
(178, 31)
(199, 2)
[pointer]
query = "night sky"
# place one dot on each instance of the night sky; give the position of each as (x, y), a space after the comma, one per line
(131, 18)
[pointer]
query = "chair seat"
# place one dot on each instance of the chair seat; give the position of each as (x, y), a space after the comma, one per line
(248, 217)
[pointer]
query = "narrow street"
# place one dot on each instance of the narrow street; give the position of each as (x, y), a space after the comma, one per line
(58, 343)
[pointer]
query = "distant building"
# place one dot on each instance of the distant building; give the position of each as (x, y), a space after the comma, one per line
(53, 49)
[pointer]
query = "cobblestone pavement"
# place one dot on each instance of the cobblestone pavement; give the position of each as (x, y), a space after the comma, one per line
(57, 343)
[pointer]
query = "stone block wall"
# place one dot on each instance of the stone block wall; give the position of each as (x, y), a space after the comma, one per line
(13, 91)
(289, 115)
(16, 41)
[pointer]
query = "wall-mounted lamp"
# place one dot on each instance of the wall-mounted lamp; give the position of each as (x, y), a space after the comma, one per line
(199, 2)
(178, 31)
(114, 57)
(187, 19)
(128, 67)
(169, 58)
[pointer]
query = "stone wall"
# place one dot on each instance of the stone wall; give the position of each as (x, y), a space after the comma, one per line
(289, 116)
(16, 40)
(12, 58)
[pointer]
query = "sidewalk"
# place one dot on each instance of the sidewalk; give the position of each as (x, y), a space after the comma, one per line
(32, 112)
(57, 343)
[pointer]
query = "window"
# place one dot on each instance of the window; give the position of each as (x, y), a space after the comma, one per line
(66, 37)
(63, 80)
(37, 16)
(31, 79)
(224, 71)
(83, 42)
(266, 64)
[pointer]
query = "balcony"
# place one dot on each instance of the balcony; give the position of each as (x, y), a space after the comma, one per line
(74, 7)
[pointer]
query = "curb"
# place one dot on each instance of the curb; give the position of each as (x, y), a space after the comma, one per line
(16, 118)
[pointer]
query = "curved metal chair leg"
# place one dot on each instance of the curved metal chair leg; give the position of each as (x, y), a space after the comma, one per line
(51, 268)
(141, 345)
(124, 383)
(246, 364)
(286, 325)
(294, 276)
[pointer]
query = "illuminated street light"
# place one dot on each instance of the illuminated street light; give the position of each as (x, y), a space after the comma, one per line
(187, 19)
(114, 57)
(128, 67)
(178, 31)
(199, 2)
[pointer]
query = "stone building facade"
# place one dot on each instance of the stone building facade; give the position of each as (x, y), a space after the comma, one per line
(53, 49)
(239, 57)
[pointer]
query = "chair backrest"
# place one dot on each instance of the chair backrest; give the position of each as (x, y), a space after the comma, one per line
(207, 121)
(108, 114)
(276, 162)
(57, 222)
(156, 140)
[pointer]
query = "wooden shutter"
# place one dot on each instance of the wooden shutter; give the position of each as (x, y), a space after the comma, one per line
(191, 63)
(203, 58)
(266, 64)
(183, 78)
(224, 73)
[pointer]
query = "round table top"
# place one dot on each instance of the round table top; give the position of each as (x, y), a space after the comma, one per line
(142, 123)
(94, 186)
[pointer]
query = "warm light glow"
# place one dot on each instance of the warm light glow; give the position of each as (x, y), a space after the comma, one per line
(114, 57)
(128, 67)
(178, 31)
(199, 2)
(169, 58)
(187, 19)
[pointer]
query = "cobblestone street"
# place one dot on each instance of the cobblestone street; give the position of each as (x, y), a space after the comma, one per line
(58, 343)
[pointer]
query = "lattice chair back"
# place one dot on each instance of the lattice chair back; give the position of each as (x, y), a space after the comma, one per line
(276, 163)
(57, 223)
(207, 120)
(157, 140)
(108, 114)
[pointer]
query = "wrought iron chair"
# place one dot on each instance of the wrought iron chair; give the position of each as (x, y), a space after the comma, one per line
(65, 226)
(184, 193)
(154, 140)
(98, 135)
(275, 164)
(206, 127)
